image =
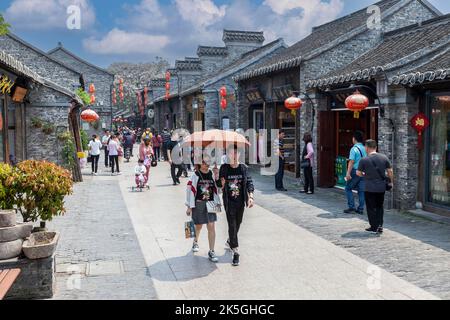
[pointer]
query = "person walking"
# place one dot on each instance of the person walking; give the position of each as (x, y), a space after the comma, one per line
(165, 143)
(238, 189)
(353, 181)
(307, 164)
(175, 158)
(201, 189)
(279, 151)
(105, 140)
(95, 149)
(373, 168)
(114, 150)
(145, 155)
(157, 141)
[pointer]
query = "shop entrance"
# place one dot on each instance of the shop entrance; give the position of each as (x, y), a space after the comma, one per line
(336, 130)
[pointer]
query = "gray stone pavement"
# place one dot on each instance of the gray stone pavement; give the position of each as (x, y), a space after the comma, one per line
(98, 255)
(414, 249)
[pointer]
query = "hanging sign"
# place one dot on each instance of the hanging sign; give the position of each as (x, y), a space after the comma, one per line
(420, 122)
(5, 84)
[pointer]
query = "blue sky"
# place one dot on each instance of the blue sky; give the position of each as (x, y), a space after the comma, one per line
(140, 30)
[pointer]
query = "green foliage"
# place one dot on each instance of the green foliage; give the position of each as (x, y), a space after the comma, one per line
(68, 150)
(48, 128)
(36, 122)
(84, 96)
(9, 183)
(41, 191)
(84, 139)
(4, 27)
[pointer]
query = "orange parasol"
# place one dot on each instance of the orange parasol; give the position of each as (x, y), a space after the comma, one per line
(221, 138)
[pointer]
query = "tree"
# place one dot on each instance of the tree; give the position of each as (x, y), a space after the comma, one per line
(4, 27)
(136, 76)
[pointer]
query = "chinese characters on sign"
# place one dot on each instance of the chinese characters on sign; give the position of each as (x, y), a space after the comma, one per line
(420, 122)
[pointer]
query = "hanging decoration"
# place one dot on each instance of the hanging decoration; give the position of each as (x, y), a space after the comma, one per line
(89, 115)
(92, 92)
(223, 100)
(92, 99)
(357, 102)
(114, 98)
(293, 103)
(121, 94)
(168, 76)
(420, 123)
(145, 101)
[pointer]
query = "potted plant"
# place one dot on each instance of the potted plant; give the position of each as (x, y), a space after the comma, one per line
(41, 192)
(36, 123)
(48, 128)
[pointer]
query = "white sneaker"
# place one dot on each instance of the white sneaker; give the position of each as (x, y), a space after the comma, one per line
(212, 257)
(195, 247)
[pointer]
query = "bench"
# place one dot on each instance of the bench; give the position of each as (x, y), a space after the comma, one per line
(7, 278)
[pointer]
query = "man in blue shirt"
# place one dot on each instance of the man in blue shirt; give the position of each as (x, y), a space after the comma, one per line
(355, 182)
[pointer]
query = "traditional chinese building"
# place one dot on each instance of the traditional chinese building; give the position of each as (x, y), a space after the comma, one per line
(406, 77)
(331, 46)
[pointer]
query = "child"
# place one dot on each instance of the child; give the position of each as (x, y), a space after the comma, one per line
(139, 172)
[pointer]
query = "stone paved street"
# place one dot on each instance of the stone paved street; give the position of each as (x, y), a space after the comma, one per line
(126, 245)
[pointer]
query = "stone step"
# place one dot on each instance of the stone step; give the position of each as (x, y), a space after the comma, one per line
(7, 218)
(19, 231)
(11, 249)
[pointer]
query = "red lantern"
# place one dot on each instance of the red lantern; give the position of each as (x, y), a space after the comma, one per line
(168, 76)
(293, 103)
(121, 96)
(223, 104)
(420, 122)
(121, 81)
(89, 115)
(357, 102)
(167, 96)
(92, 99)
(167, 86)
(223, 92)
(92, 88)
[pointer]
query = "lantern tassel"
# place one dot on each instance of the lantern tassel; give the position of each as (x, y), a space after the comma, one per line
(294, 112)
(356, 115)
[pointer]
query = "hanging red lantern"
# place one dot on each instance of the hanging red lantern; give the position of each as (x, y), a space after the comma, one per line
(223, 104)
(91, 88)
(167, 96)
(223, 92)
(92, 99)
(168, 76)
(293, 103)
(121, 95)
(357, 102)
(121, 81)
(89, 115)
(167, 86)
(420, 122)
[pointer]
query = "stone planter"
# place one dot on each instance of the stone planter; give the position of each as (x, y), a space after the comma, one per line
(10, 249)
(41, 245)
(19, 231)
(7, 218)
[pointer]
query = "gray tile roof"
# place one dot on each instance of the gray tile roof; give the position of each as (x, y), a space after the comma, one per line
(188, 64)
(400, 48)
(211, 51)
(18, 67)
(158, 83)
(319, 40)
(242, 36)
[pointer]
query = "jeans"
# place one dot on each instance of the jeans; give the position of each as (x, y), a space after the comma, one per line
(106, 157)
(176, 177)
(357, 183)
(157, 153)
(309, 179)
(114, 160)
(235, 215)
(280, 175)
(95, 163)
(375, 209)
(164, 150)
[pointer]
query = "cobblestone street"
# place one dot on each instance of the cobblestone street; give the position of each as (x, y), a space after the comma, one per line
(117, 244)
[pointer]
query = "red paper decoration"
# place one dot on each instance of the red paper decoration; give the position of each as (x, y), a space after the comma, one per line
(357, 102)
(92, 99)
(89, 115)
(223, 92)
(91, 88)
(168, 75)
(420, 122)
(223, 104)
(293, 103)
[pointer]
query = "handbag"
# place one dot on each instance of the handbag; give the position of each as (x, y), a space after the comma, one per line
(213, 207)
(154, 163)
(382, 176)
(189, 229)
(305, 164)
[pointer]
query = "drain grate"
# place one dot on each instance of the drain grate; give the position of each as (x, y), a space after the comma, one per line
(104, 268)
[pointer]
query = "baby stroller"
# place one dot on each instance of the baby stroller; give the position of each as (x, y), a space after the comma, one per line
(141, 183)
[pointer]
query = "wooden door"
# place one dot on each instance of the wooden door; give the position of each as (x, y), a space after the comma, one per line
(326, 149)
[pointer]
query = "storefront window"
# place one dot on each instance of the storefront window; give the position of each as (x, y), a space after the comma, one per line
(439, 146)
(2, 131)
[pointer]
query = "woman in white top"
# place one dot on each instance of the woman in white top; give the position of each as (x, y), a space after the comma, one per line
(114, 148)
(95, 147)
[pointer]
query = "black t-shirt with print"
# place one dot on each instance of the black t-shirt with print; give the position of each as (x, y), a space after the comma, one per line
(205, 187)
(235, 184)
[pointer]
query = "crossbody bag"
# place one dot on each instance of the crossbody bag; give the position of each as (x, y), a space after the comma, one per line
(382, 176)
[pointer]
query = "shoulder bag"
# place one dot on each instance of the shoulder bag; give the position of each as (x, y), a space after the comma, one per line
(382, 176)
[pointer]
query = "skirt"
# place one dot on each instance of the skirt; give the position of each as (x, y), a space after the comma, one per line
(200, 214)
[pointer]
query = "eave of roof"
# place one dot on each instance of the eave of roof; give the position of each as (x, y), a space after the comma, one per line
(79, 59)
(18, 67)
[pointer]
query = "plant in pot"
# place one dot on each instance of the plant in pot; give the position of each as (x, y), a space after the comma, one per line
(42, 189)
(36, 123)
(48, 128)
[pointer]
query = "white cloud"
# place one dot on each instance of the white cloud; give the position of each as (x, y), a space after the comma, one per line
(121, 43)
(146, 15)
(47, 14)
(201, 13)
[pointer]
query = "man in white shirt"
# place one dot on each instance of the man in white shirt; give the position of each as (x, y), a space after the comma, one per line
(105, 140)
(94, 149)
